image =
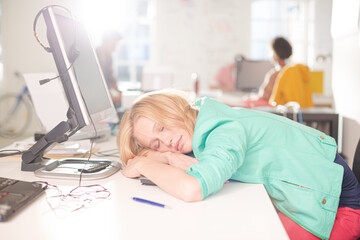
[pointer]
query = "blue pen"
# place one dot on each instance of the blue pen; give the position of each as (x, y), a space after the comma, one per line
(149, 202)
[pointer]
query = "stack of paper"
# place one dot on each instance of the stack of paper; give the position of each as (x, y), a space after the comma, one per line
(69, 148)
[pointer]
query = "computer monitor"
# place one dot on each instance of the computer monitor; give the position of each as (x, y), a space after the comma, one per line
(250, 73)
(81, 77)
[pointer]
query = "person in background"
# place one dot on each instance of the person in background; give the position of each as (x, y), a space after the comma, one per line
(105, 52)
(281, 52)
(285, 82)
(191, 149)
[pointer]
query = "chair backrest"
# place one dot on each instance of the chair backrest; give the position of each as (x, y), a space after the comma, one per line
(356, 163)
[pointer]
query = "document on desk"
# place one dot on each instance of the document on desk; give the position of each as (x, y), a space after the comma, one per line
(48, 99)
(68, 148)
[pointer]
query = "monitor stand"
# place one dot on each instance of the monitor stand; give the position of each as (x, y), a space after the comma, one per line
(71, 168)
(33, 159)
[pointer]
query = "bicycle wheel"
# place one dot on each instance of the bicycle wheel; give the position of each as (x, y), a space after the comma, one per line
(15, 115)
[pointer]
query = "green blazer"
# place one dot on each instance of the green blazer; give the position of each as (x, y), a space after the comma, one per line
(294, 162)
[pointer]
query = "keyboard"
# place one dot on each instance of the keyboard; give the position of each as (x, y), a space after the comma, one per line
(15, 194)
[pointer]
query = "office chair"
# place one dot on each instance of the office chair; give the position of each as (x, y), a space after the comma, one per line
(356, 163)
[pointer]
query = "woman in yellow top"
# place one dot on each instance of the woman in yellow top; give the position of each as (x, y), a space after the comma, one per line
(285, 82)
(282, 51)
(292, 85)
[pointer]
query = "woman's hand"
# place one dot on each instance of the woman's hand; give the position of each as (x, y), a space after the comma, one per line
(177, 160)
(131, 170)
(181, 161)
(158, 156)
(171, 179)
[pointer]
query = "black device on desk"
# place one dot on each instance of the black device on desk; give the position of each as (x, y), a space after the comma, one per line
(14, 194)
(146, 181)
(81, 77)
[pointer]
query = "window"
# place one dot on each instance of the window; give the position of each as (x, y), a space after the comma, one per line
(134, 51)
(132, 18)
(288, 18)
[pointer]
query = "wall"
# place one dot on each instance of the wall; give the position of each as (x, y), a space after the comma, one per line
(200, 36)
(322, 41)
(346, 87)
(21, 52)
(346, 71)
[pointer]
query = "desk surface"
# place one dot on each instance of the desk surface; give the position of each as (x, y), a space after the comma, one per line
(238, 211)
(235, 98)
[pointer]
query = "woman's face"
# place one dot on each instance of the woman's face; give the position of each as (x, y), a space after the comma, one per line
(151, 135)
(275, 57)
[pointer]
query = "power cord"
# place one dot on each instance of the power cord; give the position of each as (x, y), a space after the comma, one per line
(12, 152)
(78, 198)
(108, 153)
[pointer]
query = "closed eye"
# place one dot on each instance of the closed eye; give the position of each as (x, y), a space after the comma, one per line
(157, 142)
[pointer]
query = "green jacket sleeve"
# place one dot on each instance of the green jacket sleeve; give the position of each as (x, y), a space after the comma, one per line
(219, 157)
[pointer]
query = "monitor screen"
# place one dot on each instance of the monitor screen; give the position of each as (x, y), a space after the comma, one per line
(250, 74)
(85, 67)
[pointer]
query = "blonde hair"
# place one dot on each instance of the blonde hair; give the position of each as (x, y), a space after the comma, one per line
(168, 108)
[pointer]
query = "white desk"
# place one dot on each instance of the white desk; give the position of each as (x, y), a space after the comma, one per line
(238, 211)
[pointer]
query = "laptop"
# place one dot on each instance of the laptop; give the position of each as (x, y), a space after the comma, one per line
(15, 194)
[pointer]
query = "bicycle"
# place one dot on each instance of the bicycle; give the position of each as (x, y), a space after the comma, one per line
(15, 113)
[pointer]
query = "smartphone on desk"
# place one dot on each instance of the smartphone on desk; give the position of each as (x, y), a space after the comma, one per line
(146, 181)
